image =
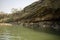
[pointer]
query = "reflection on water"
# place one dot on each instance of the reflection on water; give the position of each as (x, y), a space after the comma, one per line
(9, 34)
(22, 33)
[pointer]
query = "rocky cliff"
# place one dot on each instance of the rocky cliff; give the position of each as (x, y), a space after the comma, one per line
(45, 9)
(43, 14)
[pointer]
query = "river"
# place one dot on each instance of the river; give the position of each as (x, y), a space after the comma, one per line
(21, 33)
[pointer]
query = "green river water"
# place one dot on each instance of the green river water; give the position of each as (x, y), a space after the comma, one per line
(22, 33)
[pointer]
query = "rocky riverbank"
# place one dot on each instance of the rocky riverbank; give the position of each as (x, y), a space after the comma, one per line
(5, 24)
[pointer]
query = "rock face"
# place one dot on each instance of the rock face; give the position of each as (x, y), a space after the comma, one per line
(44, 12)
(44, 9)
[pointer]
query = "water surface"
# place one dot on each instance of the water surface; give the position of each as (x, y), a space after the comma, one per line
(22, 33)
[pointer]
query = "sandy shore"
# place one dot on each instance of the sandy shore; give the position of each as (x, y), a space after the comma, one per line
(5, 24)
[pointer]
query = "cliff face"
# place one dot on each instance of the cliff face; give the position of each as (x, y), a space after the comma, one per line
(43, 10)
(44, 14)
(48, 3)
(52, 3)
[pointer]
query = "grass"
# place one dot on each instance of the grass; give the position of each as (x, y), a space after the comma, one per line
(29, 34)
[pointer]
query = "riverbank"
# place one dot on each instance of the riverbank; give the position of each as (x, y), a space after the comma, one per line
(5, 24)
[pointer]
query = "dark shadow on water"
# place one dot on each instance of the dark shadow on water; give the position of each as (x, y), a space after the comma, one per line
(49, 32)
